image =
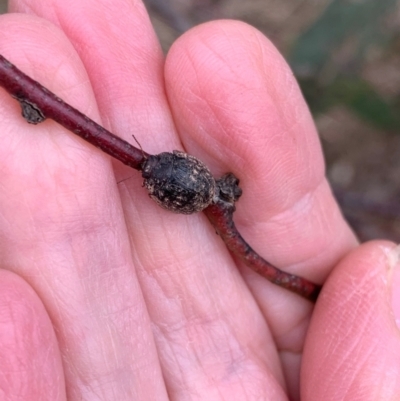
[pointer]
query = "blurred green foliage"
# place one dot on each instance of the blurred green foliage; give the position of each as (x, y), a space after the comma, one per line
(3, 6)
(312, 59)
(356, 94)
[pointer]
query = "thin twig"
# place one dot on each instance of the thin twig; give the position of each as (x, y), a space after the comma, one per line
(222, 219)
(38, 103)
(220, 215)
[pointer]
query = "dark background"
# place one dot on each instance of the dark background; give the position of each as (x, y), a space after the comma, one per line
(346, 56)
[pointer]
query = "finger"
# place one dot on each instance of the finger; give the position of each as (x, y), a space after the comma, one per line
(240, 106)
(353, 345)
(31, 366)
(237, 107)
(63, 230)
(202, 326)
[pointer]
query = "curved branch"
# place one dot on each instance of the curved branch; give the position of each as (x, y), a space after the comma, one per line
(38, 103)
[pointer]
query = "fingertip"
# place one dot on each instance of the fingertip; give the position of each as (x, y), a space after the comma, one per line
(362, 273)
(31, 367)
(353, 342)
(238, 107)
(229, 49)
(235, 97)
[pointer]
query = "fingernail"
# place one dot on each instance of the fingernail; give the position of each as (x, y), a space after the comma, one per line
(394, 281)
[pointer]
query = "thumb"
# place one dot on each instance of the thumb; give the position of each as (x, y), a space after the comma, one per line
(352, 351)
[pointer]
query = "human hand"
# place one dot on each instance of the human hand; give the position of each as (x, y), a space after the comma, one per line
(107, 296)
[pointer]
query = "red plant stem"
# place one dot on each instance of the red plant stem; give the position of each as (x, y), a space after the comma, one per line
(39, 103)
(221, 217)
(23, 88)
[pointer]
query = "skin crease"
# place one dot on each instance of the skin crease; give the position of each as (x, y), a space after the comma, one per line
(127, 301)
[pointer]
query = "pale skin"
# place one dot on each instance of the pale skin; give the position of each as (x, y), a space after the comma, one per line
(105, 296)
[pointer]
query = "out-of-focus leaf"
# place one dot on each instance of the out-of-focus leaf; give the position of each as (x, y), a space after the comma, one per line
(358, 95)
(166, 10)
(341, 19)
(3, 6)
(361, 97)
(316, 96)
